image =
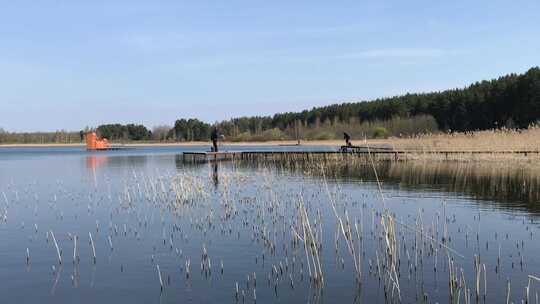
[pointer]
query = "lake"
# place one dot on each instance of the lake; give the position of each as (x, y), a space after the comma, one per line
(142, 226)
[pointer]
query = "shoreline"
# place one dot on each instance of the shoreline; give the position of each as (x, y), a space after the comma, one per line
(527, 140)
(191, 143)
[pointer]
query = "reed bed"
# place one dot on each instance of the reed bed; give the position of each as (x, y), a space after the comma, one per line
(488, 140)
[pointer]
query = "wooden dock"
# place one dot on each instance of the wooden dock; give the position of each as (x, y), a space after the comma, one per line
(377, 153)
(111, 148)
(211, 156)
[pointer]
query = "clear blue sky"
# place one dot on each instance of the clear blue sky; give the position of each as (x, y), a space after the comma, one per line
(71, 64)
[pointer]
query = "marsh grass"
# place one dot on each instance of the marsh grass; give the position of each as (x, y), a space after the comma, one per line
(488, 181)
(488, 140)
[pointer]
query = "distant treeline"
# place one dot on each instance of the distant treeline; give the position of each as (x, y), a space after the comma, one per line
(511, 101)
(116, 132)
(189, 130)
(124, 132)
(59, 137)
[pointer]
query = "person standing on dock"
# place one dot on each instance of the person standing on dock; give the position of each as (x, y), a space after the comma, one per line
(347, 138)
(214, 137)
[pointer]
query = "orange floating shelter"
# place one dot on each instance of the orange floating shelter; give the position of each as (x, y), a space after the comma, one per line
(94, 143)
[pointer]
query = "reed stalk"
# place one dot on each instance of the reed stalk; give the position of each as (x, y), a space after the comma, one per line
(57, 248)
(93, 247)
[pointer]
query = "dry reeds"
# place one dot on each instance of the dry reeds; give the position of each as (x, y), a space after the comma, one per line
(488, 140)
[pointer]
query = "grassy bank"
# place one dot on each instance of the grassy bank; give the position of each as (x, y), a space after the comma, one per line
(489, 140)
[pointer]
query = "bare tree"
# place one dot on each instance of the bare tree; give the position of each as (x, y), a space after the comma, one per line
(160, 132)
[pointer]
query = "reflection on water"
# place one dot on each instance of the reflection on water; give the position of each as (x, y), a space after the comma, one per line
(506, 185)
(215, 176)
(182, 165)
(95, 161)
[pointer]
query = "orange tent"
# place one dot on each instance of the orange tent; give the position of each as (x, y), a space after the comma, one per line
(94, 143)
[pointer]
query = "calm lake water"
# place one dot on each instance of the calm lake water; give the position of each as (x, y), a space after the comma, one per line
(212, 226)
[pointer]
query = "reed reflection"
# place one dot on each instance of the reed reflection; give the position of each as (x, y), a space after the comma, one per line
(213, 166)
(507, 185)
